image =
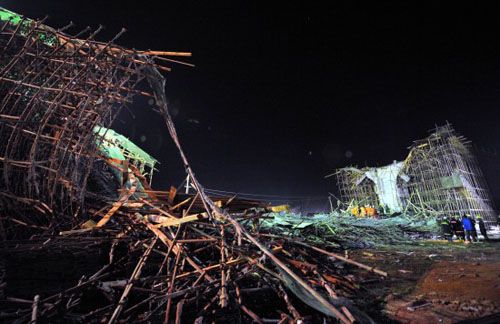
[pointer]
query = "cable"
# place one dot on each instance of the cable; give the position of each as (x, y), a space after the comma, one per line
(267, 197)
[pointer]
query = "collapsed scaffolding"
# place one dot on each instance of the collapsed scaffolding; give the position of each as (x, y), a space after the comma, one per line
(70, 186)
(56, 89)
(439, 177)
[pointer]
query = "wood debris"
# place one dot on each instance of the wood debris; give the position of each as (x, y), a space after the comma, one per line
(140, 254)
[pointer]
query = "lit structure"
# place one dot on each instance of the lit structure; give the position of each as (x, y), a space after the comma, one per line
(439, 177)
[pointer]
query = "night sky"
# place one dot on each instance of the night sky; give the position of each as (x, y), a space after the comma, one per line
(282, 94)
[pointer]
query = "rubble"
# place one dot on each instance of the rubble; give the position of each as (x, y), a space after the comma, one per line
(77, 203)
(340, 229)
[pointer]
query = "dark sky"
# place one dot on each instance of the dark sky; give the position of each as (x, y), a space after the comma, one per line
(284, 93)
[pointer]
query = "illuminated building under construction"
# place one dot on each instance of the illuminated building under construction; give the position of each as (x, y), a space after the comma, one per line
(439, 177)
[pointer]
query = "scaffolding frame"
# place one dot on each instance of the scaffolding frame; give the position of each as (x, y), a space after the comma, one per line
(355, 189)
(55, 88)
(446, 177)
(444, 180)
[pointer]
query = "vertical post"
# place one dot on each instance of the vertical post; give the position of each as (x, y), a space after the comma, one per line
(34, 309)
(187, 184)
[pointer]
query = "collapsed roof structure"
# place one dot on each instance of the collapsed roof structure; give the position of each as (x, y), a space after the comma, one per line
(71, 188)
(440, 176)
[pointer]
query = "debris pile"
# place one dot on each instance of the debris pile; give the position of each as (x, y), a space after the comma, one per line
(70, 208)
(339, 229)
(195, 271)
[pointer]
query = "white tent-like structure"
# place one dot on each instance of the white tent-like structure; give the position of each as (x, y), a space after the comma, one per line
(374, 186)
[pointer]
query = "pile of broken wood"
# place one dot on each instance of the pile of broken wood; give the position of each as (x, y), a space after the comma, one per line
(70, 254)
(156, 262)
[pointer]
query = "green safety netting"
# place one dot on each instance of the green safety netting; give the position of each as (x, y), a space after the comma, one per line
(349, 231)
(453, 181)
(48, 36)
(116, 146)
(12, 17)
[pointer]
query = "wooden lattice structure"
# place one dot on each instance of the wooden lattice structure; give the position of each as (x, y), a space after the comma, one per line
(55, 87)
(446, 178)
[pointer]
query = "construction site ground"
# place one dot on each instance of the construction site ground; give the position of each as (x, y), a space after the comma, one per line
(433, 282)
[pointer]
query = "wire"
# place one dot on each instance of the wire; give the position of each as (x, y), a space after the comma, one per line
(271, 197)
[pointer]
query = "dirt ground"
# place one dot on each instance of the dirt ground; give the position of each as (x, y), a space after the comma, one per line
(434, 282)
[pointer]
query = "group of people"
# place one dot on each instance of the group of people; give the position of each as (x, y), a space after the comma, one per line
(464, 229)
(365, 211)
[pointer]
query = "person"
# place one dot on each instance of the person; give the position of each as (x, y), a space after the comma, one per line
(370, 211)
(446, 229)
(453, 225)
(457, 228)
(362, 211)
(467, 225)
(482, 228)
(473, 231)
(380, 211)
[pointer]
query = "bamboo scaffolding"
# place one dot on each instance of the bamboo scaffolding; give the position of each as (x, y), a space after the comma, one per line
(446, 177)
(444, 180)
(152, 259)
